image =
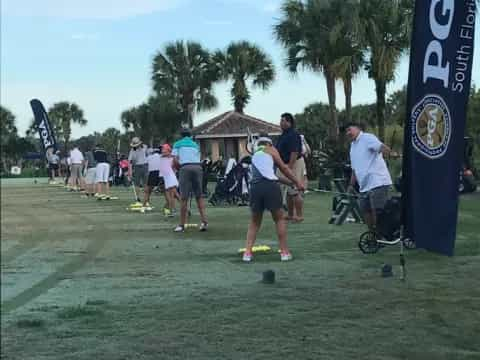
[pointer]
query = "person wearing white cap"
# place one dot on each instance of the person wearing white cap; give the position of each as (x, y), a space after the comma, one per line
(137, 168)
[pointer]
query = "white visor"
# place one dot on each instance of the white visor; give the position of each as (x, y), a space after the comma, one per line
(264, 139)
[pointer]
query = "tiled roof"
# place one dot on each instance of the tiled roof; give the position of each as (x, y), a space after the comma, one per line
(236, 124)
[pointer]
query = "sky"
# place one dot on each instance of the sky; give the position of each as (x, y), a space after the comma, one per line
(98, 54)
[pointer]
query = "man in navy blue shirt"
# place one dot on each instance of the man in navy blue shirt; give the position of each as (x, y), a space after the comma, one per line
(289, 145)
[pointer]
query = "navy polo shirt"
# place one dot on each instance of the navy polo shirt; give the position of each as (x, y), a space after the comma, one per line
(287, 143)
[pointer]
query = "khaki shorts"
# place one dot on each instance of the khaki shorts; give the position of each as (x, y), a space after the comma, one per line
(76, 171)
(299, 172)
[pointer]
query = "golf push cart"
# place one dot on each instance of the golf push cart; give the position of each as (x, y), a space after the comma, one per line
(388, 229)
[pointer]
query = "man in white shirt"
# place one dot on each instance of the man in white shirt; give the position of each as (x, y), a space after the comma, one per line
(76, 168)
(137, 169)
(369, 171)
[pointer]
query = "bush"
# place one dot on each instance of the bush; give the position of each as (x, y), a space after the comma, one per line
(29, 172)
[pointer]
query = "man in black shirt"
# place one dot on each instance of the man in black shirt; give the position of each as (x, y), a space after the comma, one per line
(102, 172)
(289, 145)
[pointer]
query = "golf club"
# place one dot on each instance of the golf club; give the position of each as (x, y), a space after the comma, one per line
(134, 191)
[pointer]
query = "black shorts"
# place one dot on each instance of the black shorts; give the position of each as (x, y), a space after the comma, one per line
(265, 195)
(153, 178)
(53, 166)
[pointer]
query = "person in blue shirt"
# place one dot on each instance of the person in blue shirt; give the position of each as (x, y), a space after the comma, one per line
(186, 154)
(289, 146)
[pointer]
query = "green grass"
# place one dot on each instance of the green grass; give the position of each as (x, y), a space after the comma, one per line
(152, 294)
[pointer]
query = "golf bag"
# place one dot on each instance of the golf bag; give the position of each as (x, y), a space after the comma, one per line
(233, 189)
(389, 219)
(206, 170)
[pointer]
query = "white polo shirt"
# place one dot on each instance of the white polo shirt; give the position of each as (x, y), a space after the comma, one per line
(76, 157)
(367, 161)
(153, 161)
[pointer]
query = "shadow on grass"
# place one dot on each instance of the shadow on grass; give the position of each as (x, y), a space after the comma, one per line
(30, 323)
(73, 312)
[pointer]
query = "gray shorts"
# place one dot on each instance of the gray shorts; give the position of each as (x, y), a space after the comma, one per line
(90, 178)
(265, 195)
(139, 175)
(190, 180)
(374, 199)
(76, 171)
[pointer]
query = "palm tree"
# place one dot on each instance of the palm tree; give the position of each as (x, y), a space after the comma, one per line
(110, 139)
(167, 120)
(242, 61)
(348, 35)
(64, 114)
(139, 119)
(305, 30)
(7, 123)
(387, 27)
(155, 119)
(184, 72)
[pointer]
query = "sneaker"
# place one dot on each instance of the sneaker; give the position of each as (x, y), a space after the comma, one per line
(247, 257)
(179, 228)
(203, 226)
(166, 212)
(286, 256)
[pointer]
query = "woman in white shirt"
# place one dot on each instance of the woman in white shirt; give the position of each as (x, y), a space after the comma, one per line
(169, 178)
(265, 194)
(153, 164)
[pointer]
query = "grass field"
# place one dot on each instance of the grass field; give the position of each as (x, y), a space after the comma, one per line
(84, 279)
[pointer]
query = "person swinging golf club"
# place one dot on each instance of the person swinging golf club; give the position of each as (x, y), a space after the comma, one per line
(265, 194)
(186, 154)
(137, 169)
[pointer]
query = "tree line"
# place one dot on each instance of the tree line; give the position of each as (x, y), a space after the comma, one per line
(336, 38)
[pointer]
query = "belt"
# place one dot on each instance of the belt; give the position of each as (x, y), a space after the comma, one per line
(199, 164)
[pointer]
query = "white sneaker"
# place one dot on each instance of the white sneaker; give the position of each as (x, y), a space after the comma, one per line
(286, 256)
(179, 228)
(247, 257)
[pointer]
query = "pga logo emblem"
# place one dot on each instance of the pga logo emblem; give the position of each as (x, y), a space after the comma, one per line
(431, 126)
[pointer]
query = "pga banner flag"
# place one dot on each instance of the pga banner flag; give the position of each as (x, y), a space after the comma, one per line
(42, 123)
(438, 90)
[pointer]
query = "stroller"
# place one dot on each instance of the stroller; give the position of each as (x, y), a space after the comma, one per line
(233, 188)
(388, 230)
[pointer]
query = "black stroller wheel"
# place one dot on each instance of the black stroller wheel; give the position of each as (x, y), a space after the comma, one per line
(368, 243)
(409, 243)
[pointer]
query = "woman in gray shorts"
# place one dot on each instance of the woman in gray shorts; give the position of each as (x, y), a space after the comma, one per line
(265, 194)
